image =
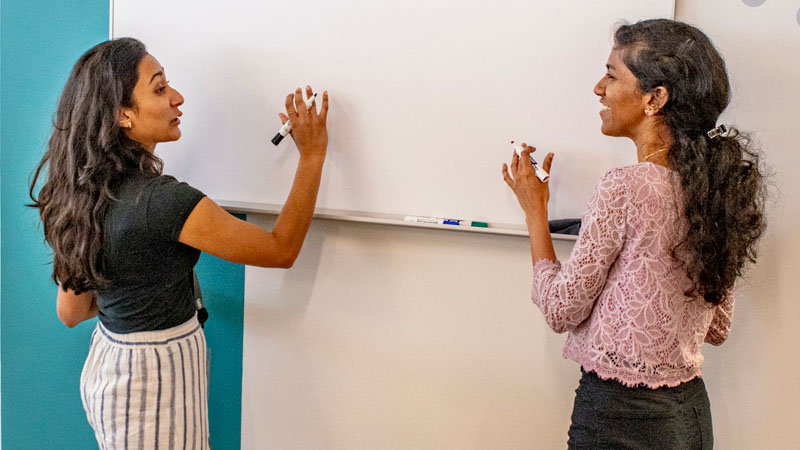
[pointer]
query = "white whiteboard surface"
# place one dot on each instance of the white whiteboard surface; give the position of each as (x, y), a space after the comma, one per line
(425, 96)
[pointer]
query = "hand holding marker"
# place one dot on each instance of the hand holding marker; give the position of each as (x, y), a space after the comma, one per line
(541, 174)
(287, 127)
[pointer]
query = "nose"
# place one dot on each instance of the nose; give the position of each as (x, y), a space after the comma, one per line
(600, 87)
(177, 98)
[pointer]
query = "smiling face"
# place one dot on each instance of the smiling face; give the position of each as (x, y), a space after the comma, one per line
(623, 112)
(153, 116)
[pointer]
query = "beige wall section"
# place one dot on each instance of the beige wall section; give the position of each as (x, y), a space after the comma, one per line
(753, 378)
(392, 338)
(395, 338)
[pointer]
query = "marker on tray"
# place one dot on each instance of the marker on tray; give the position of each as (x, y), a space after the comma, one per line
(421, 219)
(540, 173)
(432, 220)
(439, 221)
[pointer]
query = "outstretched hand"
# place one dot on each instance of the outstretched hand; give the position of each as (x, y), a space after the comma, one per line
(532, 194)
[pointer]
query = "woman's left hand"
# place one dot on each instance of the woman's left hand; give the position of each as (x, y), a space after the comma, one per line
(531, 192)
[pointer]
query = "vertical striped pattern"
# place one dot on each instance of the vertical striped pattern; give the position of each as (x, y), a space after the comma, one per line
(148, 390)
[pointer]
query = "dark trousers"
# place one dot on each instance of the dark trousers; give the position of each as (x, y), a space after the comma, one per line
(609, 415)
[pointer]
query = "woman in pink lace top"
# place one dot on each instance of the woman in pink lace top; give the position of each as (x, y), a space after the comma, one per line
(651, 276)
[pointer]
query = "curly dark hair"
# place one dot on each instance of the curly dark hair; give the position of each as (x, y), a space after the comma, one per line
(87, 154)
(721, 177)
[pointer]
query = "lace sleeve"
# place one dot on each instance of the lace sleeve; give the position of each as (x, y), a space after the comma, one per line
(721, 323)
(566, 293)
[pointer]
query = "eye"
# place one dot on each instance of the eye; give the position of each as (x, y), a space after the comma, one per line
(608, 75)
(163, 87)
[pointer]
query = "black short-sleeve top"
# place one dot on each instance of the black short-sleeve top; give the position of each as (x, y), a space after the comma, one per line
(150, 271)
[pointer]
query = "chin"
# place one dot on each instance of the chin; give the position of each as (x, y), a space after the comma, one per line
(608, 131)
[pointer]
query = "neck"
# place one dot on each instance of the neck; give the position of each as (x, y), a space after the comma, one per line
(653, 146)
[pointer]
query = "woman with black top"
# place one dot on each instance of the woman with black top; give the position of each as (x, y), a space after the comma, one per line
(125, 239)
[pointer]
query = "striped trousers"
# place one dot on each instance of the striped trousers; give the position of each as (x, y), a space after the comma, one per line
(148, 390)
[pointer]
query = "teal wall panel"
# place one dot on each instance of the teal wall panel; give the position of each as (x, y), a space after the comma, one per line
(41, 358)
(222, 284)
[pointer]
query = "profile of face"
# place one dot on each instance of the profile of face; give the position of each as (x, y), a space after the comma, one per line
(624, 104)
(154, 115)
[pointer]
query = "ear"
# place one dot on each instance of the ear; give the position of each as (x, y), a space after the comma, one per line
(656, 99)
(125, 117)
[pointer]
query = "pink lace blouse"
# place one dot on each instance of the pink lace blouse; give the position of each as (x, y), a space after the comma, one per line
(621, 293)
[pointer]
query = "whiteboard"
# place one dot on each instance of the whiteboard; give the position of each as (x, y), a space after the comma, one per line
(424, 97)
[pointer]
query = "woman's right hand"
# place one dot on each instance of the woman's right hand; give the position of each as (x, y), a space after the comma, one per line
(532, 194)
(309, 128)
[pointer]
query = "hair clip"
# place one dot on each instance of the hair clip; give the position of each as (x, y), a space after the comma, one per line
(718, 131)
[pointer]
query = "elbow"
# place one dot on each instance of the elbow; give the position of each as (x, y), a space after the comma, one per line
(275, 260)
(287, 264)
(70, 317)
(67, 319)
(559, 324)
(558, 319)
(286, 261)
(716, 339)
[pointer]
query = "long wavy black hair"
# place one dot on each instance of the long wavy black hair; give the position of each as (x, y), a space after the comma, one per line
(87, 154)
(721, 177)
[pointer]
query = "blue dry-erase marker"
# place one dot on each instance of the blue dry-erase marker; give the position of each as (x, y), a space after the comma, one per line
(450, 222)
(287, 127)
(540, 173)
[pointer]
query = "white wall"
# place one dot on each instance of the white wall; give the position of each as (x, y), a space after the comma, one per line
(752, 378)
(395, 338)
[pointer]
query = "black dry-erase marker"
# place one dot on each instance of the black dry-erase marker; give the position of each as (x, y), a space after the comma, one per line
(287, 127)
(541, 174)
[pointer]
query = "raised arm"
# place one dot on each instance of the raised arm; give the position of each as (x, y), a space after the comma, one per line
(567, 293)
(533, 196)
(213, 230)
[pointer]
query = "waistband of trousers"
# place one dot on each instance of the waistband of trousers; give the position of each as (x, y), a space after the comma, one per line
(149, 338)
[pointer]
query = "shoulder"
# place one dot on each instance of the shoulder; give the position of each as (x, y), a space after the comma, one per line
(152, 190)
(616, 182)
(158, 185)
(162, 180)
(139, 181)
(632, 178)
(625, 175)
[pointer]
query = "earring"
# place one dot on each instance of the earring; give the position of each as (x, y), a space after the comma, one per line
(130, 125)
(648, 112)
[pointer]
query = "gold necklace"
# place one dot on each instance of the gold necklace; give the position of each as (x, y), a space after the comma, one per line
(655, 153)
